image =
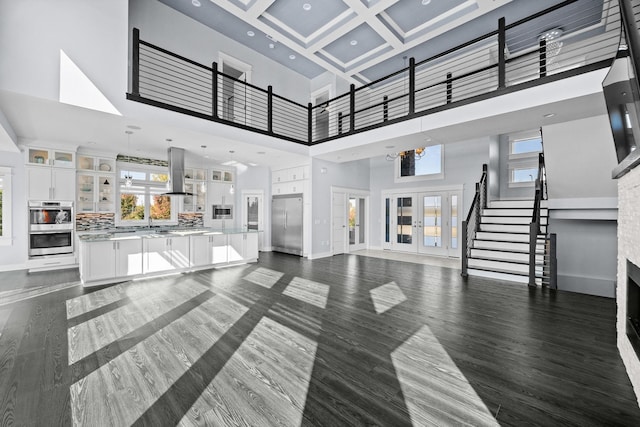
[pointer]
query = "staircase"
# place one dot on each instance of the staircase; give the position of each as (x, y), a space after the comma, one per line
(500, 249)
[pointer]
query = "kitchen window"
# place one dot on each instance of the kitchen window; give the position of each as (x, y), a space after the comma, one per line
(427, 164)
(143, 202)
(5, 206)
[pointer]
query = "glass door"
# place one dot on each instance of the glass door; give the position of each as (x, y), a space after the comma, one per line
(438, 223)
(406, 223)
(252, 215)
(357, 222)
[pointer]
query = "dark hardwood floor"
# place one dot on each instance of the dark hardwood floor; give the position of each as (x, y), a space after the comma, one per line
(347, 340)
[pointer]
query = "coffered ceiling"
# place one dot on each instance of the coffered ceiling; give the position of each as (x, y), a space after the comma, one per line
(359, 40)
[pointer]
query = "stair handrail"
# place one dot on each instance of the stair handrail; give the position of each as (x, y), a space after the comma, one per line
(535, 226)
(471, 224)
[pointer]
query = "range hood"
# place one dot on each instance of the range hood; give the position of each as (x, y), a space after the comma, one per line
(176, 172)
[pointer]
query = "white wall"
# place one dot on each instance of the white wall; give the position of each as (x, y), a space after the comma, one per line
(353, 175)
(15, 256)
(579, 156)
(93, 33)
(165, 27)
(462, 165)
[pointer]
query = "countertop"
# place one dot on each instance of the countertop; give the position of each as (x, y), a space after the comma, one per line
(102, 235)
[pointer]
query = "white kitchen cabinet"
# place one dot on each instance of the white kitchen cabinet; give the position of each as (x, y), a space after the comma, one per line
(109, 259)
(48, 183)
(96, 192)
(200, 251)
(242, 247)
(219, 252)
(164, 254)
(220, 194)
(250, 246)
(50, 157)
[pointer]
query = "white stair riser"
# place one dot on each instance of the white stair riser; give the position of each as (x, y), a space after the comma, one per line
(514, 212)
(515, 204)
(482, 253)
(498, 276)
(509, 228)
(509, 220)
(500, 265)
(507, 246)
(509, 237)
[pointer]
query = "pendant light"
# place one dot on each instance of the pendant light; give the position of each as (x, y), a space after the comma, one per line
(128, 179)
(203, 184)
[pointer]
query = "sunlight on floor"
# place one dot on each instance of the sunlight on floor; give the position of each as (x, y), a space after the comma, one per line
(427, 374)
(120, 391)
(386, 297)
(273, 367)
(264, 277)
(308, 291)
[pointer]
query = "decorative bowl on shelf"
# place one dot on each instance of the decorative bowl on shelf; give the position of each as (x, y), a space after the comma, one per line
(105, 167)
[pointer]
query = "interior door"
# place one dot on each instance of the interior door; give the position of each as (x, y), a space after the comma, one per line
(253, 214)
(357, 222)
(338, 222)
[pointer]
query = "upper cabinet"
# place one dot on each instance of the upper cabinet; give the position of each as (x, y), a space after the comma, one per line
(219, 175)
(50, 174)
(290, 181)
(96, 183)
(195, 183)
(50, 157)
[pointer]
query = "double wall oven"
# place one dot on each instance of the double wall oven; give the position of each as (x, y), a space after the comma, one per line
(50, 228)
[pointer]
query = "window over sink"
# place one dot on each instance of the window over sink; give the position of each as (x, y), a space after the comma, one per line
(142, 200)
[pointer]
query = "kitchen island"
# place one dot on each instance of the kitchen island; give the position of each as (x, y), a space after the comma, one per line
(114, 256)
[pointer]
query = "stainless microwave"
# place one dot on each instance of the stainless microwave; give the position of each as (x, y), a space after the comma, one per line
(222, 211)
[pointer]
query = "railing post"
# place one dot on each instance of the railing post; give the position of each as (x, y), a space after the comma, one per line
(543, 58)
(339, 122)
(553, 262)
(352, 108)
(533, 242)
(135, 63)
(449, 88)
(502, 44)
(385, 108)
(310, 121)
(483, 195)
(465, 259)
(214, 90)
(479, 210)
(412, 85)
(270, 109)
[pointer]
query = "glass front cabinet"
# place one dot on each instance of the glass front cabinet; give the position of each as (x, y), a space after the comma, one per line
(195, 183)
(96, 184)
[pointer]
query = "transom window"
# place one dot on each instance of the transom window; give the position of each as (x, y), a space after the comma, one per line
(523, 158)
(427, 164)
(143, 202)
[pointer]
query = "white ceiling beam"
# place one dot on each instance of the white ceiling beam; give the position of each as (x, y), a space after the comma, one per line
(258, 8)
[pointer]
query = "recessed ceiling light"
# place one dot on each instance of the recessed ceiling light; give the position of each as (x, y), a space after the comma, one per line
(306, 6)
(231, 151)
(425, 2)
(251, 33)
(271, 45)
(196, 3)
(353, 42)
(292, 56)
(548, 115)
(168, 139)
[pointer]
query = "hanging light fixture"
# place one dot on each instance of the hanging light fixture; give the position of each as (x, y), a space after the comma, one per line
(203, 184)
(418, 153)
(128, 179)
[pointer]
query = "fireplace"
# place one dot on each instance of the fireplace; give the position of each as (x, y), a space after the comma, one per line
(633, 306)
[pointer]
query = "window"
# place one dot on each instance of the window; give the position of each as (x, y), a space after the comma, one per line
(519, 175)
(143, 203)
(523, 158)
(429, 166)
(5, 206)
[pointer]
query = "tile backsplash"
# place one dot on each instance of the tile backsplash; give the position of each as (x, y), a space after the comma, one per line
(95, 221)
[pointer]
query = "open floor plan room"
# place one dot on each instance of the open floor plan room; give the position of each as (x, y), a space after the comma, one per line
(344, 340)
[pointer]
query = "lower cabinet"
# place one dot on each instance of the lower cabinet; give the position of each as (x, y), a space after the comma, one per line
(110, 259)
(165, 254)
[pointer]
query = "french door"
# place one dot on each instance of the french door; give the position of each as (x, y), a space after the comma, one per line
(357, 222)
(253, 213)
(425, 222)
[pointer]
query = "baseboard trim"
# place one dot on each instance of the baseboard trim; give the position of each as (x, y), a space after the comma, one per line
(320, 255)
(13, 267)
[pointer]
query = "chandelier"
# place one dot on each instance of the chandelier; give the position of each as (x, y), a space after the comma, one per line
(418, 153)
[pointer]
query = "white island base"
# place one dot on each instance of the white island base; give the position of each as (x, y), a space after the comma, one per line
(111, 258)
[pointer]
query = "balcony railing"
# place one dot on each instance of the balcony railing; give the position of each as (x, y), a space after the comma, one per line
(570, 38)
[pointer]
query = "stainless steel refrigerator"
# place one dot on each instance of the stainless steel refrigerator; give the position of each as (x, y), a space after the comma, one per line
(286, 223)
